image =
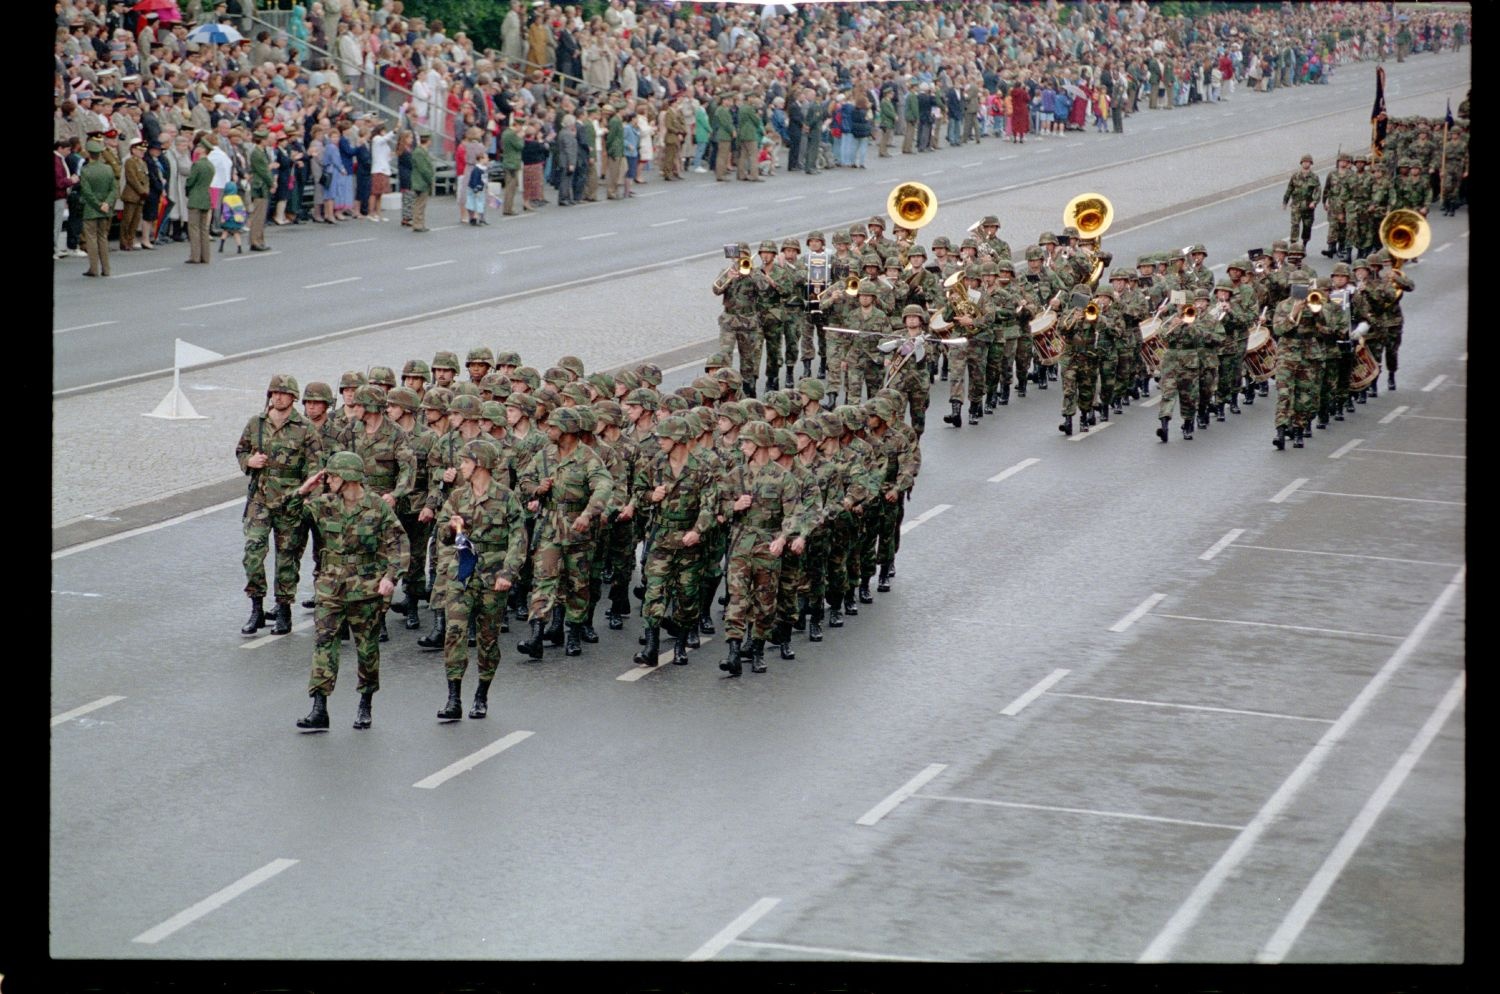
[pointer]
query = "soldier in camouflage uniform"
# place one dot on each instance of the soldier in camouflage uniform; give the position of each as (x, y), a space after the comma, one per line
(912, 379)
(277, 449)
(898, 459)
(1010, 307)
(739, 325)
(793, 303)
(855, 365)
(617, 548)
(966, 361)
(567, 487)
(1301, 198)
(317, 401)
(350, 381)
(364, 551)
(1366, 306)
(402, 405)
(762, 498)
(1295, 326)
(479, 362)
(1211, 338)
(809, 433)
(1454, 168)
(1339, 195)
(1179, 374)
(1079, 366)
(1341, 363)
(1127, 312)
(443, 458)
(1396, 284)
(1383, 199)
(1358, 225)
(482, 520)
(444, 369)
(782, 289)
(1237, 308)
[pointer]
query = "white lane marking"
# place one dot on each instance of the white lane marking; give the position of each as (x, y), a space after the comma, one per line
(969, 165)
(1463, 234)
(253, 255)
(841, 189)
(431, 265)
(1045, 148)
(74, 593)
(212, 303)
(102, 702)
(1155, 399)
(352, 241)
(1138, 612)
(1348, 555)
(597, 234)
(901, 793)
(1222, 544)
(1288, 490)
(1183, 919)
(926, 515)
(519, 248)
(1434, 417)
(1339, 452)
(1080, 436)
(1194, 707)
(1130, 816)
(213, 901)
(1444, 247)
(650, 193)
(840, 953)
(1407, 452)
(1307, 904)
(638, 671)
(81, 327)
(445, 227)
(1396, 413)
(787, 200)
(663, 224)
(733, 930)
(1015, 707)
(731, 210)
(346, 279)
(144, 272)
(1272, 624)
(1159, 127)
(1003, 158)
(259, 641)
(934, 172)
(472, 760)
(96, 543)
(1408, 500)
(1006, 474)
(1437, 381)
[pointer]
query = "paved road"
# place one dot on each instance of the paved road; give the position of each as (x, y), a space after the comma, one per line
(323, 281)
(1265, 761)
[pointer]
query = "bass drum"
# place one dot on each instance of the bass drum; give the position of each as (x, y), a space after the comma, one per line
(1260, 355)
(1046, 340)
(1366, 369)
(1153, 346)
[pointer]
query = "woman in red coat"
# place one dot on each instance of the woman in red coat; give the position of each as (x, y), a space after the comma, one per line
(1019, 120)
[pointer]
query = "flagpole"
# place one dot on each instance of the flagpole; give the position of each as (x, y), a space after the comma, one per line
(1443, 164)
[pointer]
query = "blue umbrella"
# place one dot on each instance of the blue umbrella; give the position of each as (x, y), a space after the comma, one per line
(215, 34)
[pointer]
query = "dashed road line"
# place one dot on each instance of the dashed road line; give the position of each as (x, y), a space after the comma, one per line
(731, 210)
(213, 901)
(900, 794)
(1348, 446)
(663, 224)
(1080, 436)
(78, 712)
(1006, 474)
(599, 234)
(352, 241)
(1126, 815)
(1405, 452)
(1405, 500)
(346, 279)
(472, 760)
(1436, 382)
(926, 515)
(145, 272)
(519, 248)
(109, 539)
(212, 303)
(1273, 624)
(1016, 706)
(733, 930)
(253, 255)
(431, 265)
(1138, 612)
(787, 200)
(1395, 413)
(1222, 544)
(83, 327)
(1288, 490)
(1192, 707)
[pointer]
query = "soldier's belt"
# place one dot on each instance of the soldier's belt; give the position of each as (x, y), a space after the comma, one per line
(284, 475)
(572, 507)
(679, 519)
(386, 480)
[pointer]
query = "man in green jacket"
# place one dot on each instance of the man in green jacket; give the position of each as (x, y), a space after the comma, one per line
(421, 182)
(614, 154)
(887, 123)
(510, 161)
(260, 189)
(723, 118)
(200, 204)
(910, 113)
(587, 138)
(751, 129)
(98, 188)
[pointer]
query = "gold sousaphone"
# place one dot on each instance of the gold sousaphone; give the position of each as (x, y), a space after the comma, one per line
(1091, 214)
(1405, 235)
(911, 205)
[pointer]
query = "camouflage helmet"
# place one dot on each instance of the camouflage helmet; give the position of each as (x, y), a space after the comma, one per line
(371, 396)
(284, 383)
(970, 242)
(317, 390)
(710, 388)
(812, 389)
(832, 424)
(382, 376)
(576, 392)
(492, 411)
(971, 269)
(466, 389)
(791, 243)
(916, 251)
(1345, 156)
(523, 402)
(649, 372)
(841, 237)
(1279, 245)
(1121, 273)
(1243, 265)
(734, 411)
(876, 221)
(767, 246)
(730, 378)
(492, 380)
(528, 376)
(404, 398)
(1341, 269)
(602, 382)
(565, 420)
(816, 235)
(436, 399)
(755, 410)
(467, 405)
(674, 402)
(352, 378)
(608, 412)
(988, 220)
(507, 358)
(1197, 249)
(588, 419)
(1144, 260)
(987, 267)
(627, 379)
(810, 427)
(1071, 232)
(644, 398)
(784, 440)
(715, 361)
(871, 258)
(894, 396)
(480, 353)
(942, 242)
(759, 433)
(1004, 266)
(744, 248)
(1295, 247)
(689, 394)
(1361, 263)
(1035, 252)
(1224, 283)
(869, 287)
(346, 466)
(857, 230)
(445, 360)
(482, 451)
(913, 311)
(778, 401)
(699, 420)
(1046, 238)
(1306, 157)
(416, 367)
(548, 397)
(853, 419)
(572, 364)
(674, 428)
(557, 377)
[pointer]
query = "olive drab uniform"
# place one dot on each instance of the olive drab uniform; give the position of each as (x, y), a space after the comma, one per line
(1079, 362)
(1211, 338)
(1009, 307)
(420, 441)
(560, 560)
(753, 572)
(739, 325)
(295, 452)
(777, 300)
(1340, 193)
(1301, 198)
(856, 357)
(362, 545)
(1392, 321)
(1238, 320)
(495, 531)
(1296, 391)
(911, 379)
(674, 571)
(1179, 371)
(1130, 309)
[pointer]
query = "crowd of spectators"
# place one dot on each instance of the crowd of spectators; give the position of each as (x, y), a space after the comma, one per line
(351, 100)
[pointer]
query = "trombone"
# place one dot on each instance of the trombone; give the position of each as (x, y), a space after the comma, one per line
(740, 267)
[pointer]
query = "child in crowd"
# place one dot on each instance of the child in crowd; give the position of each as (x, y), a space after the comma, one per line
(232, 217)
(478, 187)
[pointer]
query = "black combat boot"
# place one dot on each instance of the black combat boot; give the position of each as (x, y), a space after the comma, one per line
(1041, 379)
(481, 700)
(1265, 389)
(1390, 381)
(1164, 432)
(1234, 403)
(362, 715)
(572, 645)
(884, 583)
(401, 606)
(454, 709)
(850, 607)
(784, 641)
(257, 617)
(807, 368)
(1105, 409)
(791, 371)
(1297, 437)
(706, 611)
(283, 620)
(680, 651)
(554, 632)
(835, 612)
(619, 605)
(749, 389)
(1323, 420)
(434, 639)
(647, 655)
(757, 655)
(1187, 429)
(533, 646)
(731, 663)
(385, 636)
(1052, 372)
(1219, 411)
(1280, 440)
(772, 383)
(975, 413)
(692, 637)
(865, 596)
(1067, 425)
(1338, 412)
(311, 602)
(318, 716)
(989, 402)
(1203, 418)
(1374, 387)
(587, 627)
(956, 419)
(1083, 422)
(413, 617)
(1145, 386)
(830, 399)
(1328, 252)
(1004, 399)
(1249, 392)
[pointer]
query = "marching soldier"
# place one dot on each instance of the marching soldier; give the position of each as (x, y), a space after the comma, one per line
(1339, 194)
(783, 289)
(1012, 308)
(1392, 321)
(444, 369)
(1295, 325)
(1366, 306)
(989, 227)
(618, 545)
(898, 459)
(401, 409)
(739, 325)
(1179, 374)
(349, 381)
(1211, 339)
(1236, 310)
(1131, 307)
(906, 370)
(443, 474)
(1301, 198)
(1078, 364)
(364, 551)
(811, 590)
(854, 364)
(317, 398)
(278, 448)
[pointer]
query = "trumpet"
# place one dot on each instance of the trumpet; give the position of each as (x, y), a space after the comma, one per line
(744, 264)
(1188, 314)
(1315, 300)
(1091, 312)
(851, 286)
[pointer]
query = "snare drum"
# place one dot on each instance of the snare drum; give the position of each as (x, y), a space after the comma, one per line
(1153, 346)
(1046, 340)
(1260, 355)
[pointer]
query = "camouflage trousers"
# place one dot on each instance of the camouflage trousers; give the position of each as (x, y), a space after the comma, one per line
(560, 574)
(486, 606)
(738, 331)
(1366, 229)
(260, 524)
(443, 557)
(1339, 228)
(1015, 360)
(618, 551)
(788, 584)
(1108, 364)
(877, 538)
(416, 535)
(841, 550)
(861, 374)
(771, 342)
(1208, 379)
(1231, 373)
(1179, 385)
(300, 536)
(809, 338)
(1079, 373)
(812, 581)
(1296, 394)
(994, 359)
(1375, 342)
(1336, 379)
(754, 575)
(1392, 334)
(966, 371)
(1128, 364)
(1302, 225)
(916, 394)
(674, 585)
(791, 331)
(364, 626)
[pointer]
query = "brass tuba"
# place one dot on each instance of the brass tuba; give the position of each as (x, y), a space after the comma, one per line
(1405, 235)
(960, 296)
(1090, 213)
(911, 205)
